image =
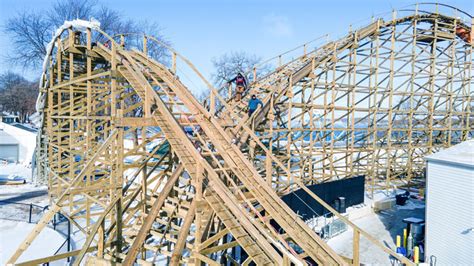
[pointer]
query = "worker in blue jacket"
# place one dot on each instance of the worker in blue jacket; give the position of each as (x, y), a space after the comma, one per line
(253, 104)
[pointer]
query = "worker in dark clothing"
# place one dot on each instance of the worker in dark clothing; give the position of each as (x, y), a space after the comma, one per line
(240, 86)
(253, 104)
(77, 37)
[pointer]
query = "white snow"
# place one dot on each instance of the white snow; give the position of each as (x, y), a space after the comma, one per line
(13, 169)
(25, 193)
(412, 205)
(77, 24)
(369, 253)
(383, 226)
(13, 233)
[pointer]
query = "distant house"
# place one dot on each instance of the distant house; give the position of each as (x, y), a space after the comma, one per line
(9, 147)
(18, 142)
(8, 118)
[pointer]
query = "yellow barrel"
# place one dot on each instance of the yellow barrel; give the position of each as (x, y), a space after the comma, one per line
(416, 255)
(405, 238)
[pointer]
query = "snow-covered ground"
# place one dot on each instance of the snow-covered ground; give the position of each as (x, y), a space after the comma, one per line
(24, 193)
(384, 226)
(15, 169)
(15, 209)
(12, 233)
(14, 205)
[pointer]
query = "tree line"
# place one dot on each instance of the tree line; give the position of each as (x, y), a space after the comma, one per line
(17, 95)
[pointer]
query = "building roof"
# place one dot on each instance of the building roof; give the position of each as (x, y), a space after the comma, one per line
(25, 127)
(6, 138)
(5, 114)
(460, 154)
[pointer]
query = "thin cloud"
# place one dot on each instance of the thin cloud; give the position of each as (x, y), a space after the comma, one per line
(277, 25)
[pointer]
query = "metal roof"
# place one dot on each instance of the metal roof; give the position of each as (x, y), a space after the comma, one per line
(6, 138)
(460, 154)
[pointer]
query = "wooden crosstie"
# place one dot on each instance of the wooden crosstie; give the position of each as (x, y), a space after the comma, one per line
(149, 175)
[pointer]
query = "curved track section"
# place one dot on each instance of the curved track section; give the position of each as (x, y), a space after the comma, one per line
(372, 103)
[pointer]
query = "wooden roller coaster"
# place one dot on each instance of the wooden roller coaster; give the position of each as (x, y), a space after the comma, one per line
(150, 175)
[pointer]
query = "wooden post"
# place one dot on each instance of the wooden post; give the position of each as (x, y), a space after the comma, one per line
(145, 44)
(100, 244)
(355, 248)
(212, 103)
(472, 32)
(118, 219)
(173, 63)
(198, 210)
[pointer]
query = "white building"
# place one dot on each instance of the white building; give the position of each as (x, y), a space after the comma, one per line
(9, 147)
(22, 136)
(450, 205)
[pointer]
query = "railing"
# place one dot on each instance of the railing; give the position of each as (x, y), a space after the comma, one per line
(307, 48)
(23, 212)
(32, 213)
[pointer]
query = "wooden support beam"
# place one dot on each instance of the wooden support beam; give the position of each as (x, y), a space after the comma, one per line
(144, 231)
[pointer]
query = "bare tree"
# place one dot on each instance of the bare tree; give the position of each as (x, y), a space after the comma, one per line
(229, 65)
(30, 31)
(138, 28)
(17, 95)
(9, 79)
(71, 9)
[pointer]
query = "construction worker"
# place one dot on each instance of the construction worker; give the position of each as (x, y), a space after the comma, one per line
(253, 104)
(240, 86)
(464, 34)
(77, 37)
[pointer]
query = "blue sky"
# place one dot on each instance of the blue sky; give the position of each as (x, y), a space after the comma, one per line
(201, 30)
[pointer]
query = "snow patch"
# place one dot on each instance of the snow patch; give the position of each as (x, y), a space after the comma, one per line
(412, 204)
(9, 171)
(13, 234)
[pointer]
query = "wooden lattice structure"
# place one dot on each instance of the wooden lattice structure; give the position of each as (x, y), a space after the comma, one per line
(150, 175)
(372, 103)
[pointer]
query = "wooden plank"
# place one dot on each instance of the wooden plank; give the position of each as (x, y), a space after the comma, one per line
(183, 234)
(145, 229)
